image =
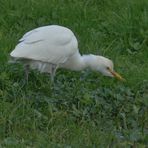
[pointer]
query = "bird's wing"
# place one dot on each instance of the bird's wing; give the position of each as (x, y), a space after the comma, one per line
(51, 44)
(31, 36)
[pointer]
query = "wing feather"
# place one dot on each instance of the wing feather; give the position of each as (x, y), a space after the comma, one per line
(53, 44)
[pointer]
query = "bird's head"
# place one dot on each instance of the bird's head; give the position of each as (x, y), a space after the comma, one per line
(106, 67)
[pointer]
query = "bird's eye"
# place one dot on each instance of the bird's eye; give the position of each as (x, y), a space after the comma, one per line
(107, 68)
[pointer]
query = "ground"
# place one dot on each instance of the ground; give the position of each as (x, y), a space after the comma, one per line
(84, 109)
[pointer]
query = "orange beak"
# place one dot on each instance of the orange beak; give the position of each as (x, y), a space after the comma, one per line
(116, 75)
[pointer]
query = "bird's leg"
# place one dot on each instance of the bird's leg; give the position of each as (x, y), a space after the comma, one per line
(26, 67)
(53, 71)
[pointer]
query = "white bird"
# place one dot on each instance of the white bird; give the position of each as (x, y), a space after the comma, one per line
(50, 47)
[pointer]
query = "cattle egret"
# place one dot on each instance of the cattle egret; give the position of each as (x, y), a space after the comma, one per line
(50, 47)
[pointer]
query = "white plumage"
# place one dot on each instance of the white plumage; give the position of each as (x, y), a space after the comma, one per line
(49, 47)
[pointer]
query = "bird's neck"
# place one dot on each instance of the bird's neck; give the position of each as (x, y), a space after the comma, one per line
(88, 61)
(79, 62)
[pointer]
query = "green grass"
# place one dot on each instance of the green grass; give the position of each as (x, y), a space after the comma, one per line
(85, 109)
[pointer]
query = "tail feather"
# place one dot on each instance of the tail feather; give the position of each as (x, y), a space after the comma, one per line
(13, 60)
